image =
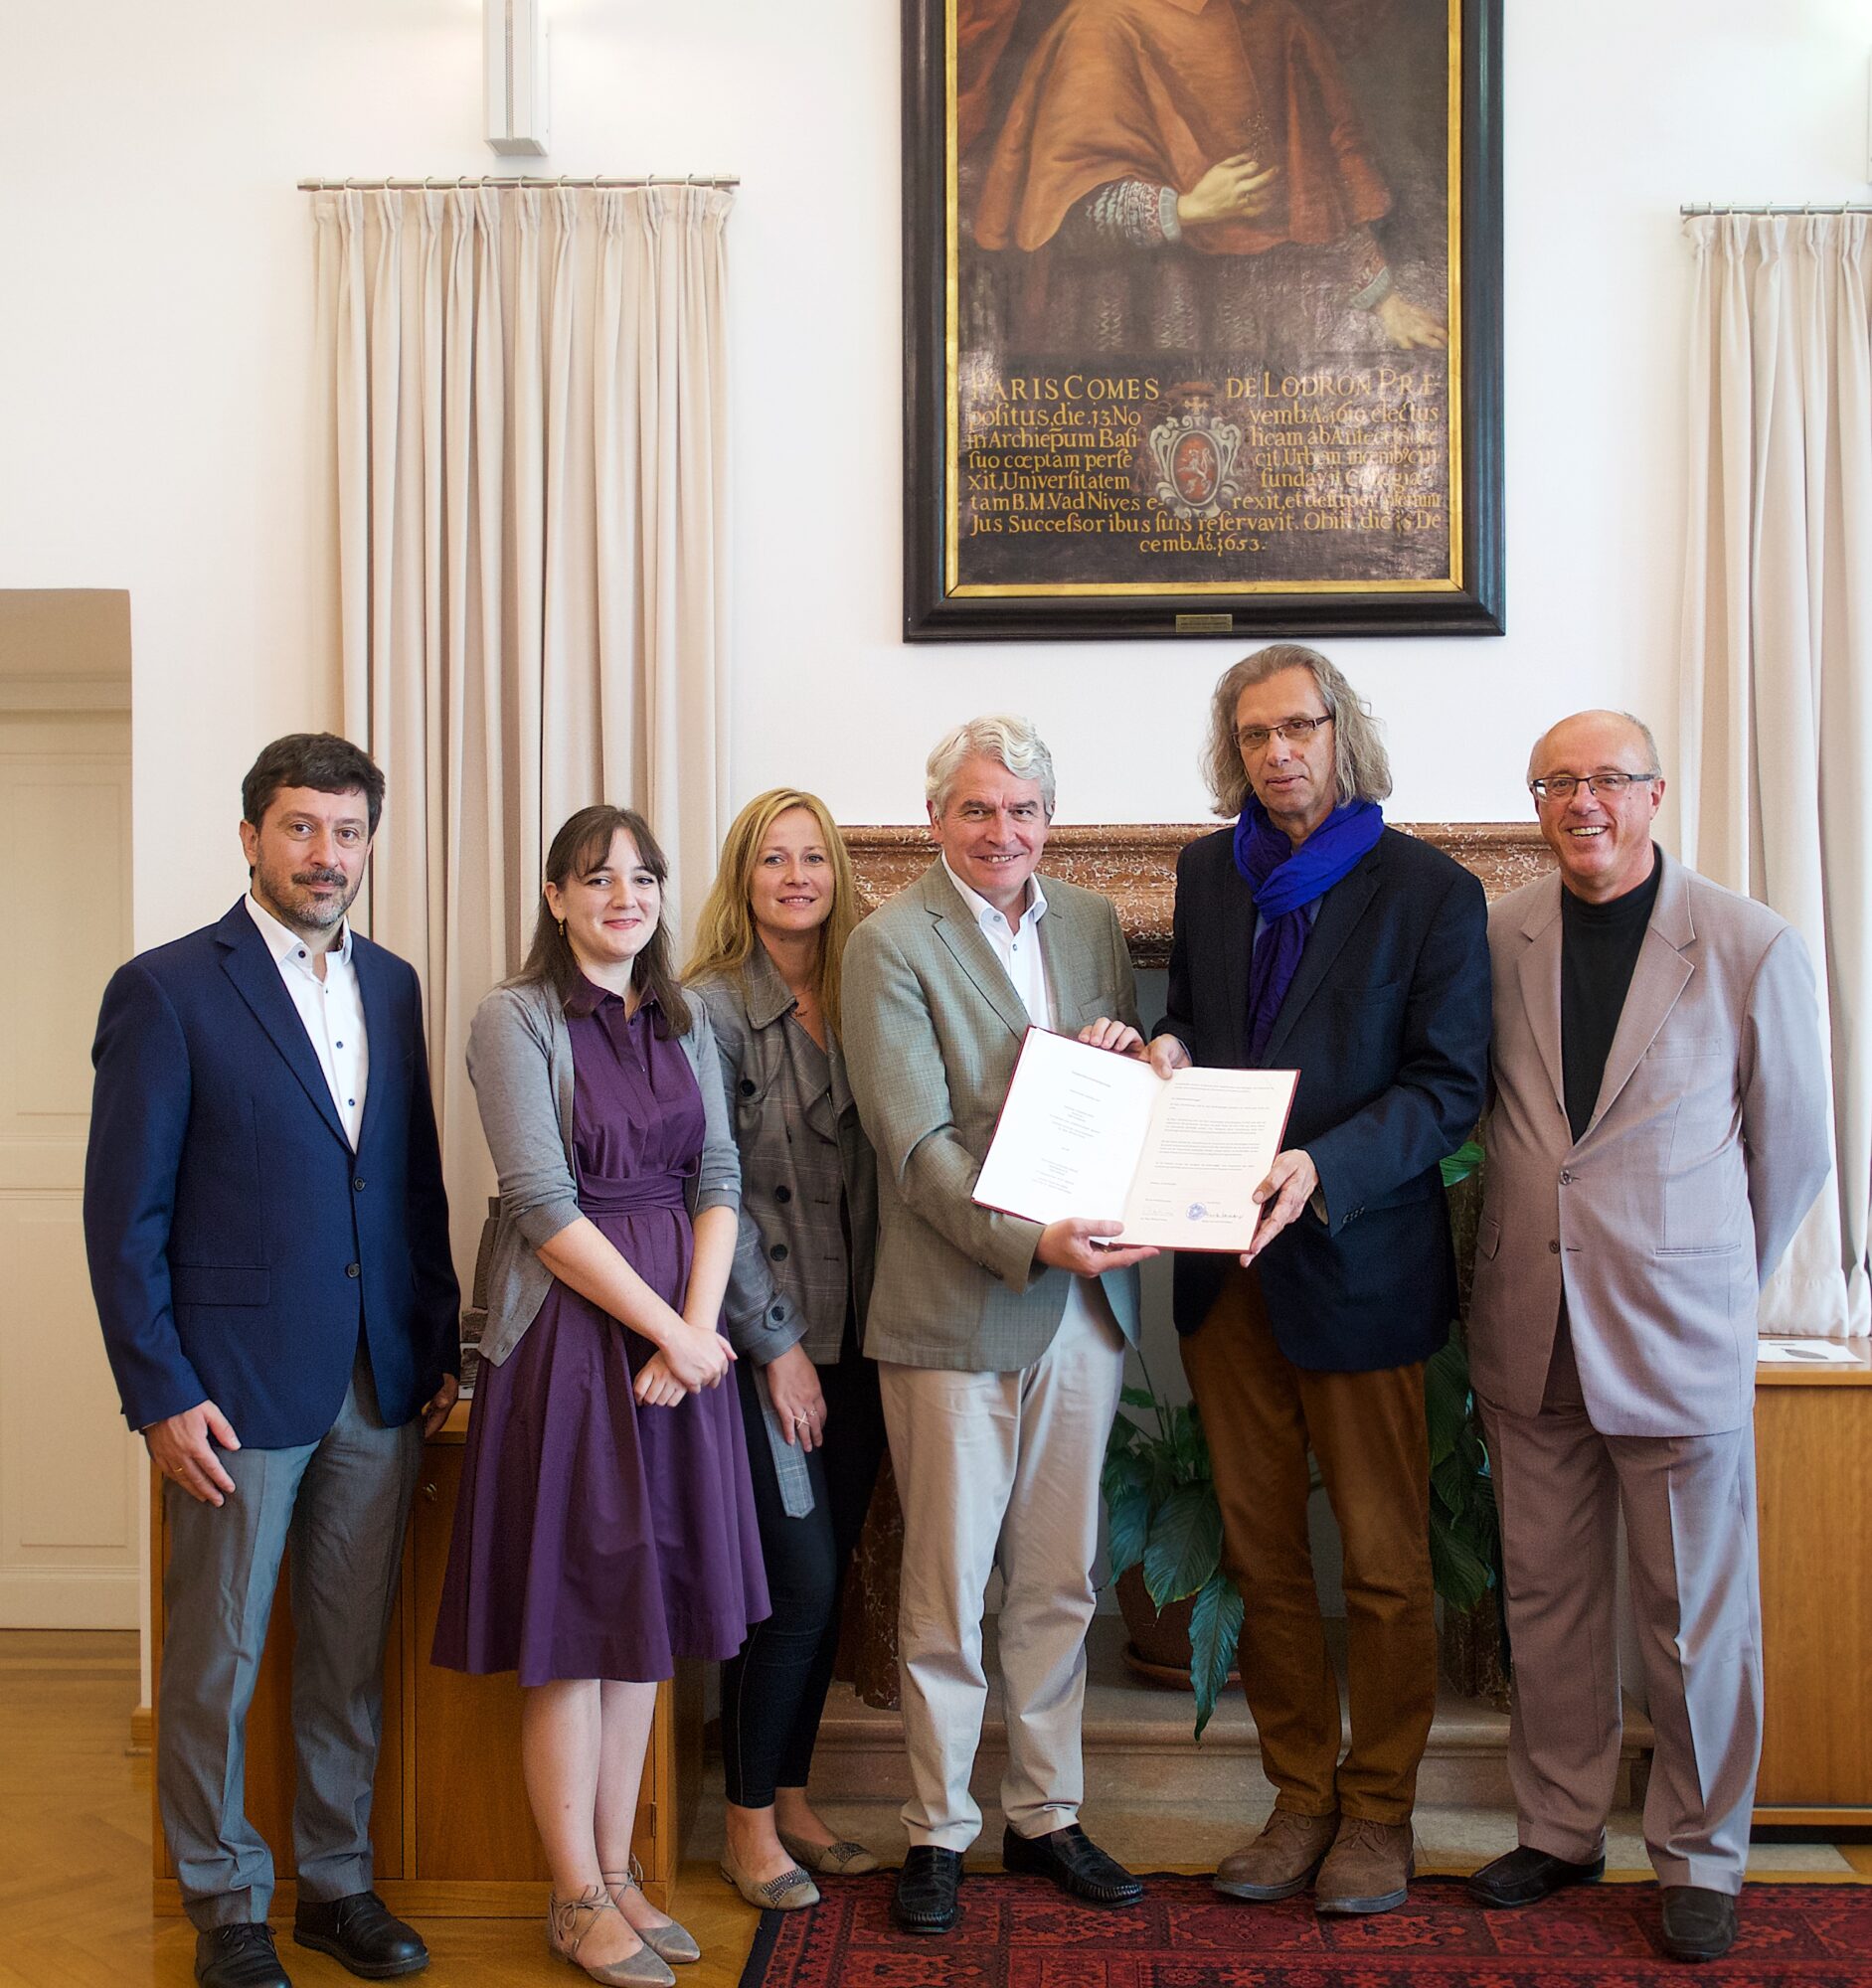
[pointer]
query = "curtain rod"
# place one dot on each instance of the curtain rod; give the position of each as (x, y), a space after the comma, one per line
(541, 185)
(1776, 207)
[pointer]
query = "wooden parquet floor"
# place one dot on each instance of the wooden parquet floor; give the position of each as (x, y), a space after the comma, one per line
(74, 1850)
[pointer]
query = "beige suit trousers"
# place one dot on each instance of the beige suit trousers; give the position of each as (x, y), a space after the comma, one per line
(1000, 1470)
(1690, 1533)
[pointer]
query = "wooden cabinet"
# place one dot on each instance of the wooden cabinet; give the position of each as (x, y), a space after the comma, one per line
(1813, 1466)
(451, 1829)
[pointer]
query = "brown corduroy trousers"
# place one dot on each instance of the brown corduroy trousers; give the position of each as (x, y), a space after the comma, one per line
(1262, 1413)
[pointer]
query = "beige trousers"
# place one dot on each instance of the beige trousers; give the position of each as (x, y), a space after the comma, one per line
(1000, 1470)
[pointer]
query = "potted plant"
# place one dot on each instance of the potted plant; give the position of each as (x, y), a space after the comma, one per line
(1164, 1526)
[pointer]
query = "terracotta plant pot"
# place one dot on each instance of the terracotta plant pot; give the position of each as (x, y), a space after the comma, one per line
(1158, 1648)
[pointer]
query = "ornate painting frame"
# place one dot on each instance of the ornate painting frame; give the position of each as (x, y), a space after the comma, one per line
(1151, 393)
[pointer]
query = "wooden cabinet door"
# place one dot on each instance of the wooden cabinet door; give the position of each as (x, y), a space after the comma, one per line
(271, 1771)
(472, 1819)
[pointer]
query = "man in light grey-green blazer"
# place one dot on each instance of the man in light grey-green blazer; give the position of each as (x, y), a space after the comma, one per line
(1000, 1343)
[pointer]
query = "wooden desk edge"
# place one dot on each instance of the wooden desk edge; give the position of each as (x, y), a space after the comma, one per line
(1858, 1375)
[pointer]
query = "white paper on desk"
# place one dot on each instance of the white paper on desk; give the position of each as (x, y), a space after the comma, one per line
(1806, 1353)
(1084, 1133)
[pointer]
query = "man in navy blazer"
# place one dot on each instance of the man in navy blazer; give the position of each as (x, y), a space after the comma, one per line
(1310, 935)
(268, 1246)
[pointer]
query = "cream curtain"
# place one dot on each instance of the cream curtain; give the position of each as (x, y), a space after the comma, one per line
(531, 556)
(1777, 672)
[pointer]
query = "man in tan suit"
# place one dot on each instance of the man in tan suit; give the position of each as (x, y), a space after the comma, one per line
(1000, 1344)
(1659, 1131)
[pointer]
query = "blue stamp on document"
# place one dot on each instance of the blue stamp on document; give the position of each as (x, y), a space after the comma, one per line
(1197, 1212)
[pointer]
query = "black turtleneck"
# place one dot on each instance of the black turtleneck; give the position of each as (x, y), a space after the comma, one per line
(1599, 950)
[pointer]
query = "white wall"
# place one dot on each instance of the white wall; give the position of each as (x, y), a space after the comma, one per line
(156, 423)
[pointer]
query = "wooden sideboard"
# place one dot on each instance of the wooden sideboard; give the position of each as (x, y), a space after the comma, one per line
(451, 1826)
(1813, 1491)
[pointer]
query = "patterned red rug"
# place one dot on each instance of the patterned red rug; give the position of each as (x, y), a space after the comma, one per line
(1019, 1933)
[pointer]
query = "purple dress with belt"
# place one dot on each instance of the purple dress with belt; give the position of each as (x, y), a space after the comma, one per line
(594, 1538)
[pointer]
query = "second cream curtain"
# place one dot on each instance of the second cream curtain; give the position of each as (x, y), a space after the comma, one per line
(529, 388)
(1776, 718)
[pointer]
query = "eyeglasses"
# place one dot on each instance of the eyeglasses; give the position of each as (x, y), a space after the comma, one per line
(1295, 731)
(1563, 786)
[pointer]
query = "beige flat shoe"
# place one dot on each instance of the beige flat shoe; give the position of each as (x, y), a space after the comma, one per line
(842, 1859)
(569, 1920)
(672, 1943)
(787, 1892)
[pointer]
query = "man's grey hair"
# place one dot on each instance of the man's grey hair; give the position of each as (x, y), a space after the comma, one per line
(1653, 763)
(1361, 769)
(1000, 735)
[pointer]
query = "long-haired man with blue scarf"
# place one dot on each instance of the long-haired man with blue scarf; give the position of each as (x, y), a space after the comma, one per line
(1308, 936)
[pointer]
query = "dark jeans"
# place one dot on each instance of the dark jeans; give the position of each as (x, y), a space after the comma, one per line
(773, 1692)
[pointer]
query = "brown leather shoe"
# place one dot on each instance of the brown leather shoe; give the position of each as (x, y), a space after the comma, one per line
(1280, 1860)
(1368, 1868)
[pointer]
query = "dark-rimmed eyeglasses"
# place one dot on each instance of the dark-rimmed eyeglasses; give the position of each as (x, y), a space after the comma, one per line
(1295, 731)
(1608, 786)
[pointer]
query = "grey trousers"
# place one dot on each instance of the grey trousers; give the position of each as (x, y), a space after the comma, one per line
(342, 1505)
(1690, 1532)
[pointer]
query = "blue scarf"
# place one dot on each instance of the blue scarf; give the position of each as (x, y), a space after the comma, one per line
(1283, 881)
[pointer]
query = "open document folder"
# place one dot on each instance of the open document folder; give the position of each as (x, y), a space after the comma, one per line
(1085, 1132)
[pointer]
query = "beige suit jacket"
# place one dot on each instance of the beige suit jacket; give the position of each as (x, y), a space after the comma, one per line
(932, 1028)
(1706, 1147)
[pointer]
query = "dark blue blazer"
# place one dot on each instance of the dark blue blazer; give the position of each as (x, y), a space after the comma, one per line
(238, 1245)
(1388, 1023)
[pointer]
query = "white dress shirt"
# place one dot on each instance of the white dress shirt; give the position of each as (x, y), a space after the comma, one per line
(1017, 947)
(332, 1010)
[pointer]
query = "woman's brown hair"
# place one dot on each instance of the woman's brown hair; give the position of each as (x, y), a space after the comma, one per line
(582, 844)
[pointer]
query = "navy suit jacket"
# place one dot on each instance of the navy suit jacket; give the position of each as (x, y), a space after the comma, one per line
(1388, 1024)
(238, 1245)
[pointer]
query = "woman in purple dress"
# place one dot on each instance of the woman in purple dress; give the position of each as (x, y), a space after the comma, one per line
(606, 1524)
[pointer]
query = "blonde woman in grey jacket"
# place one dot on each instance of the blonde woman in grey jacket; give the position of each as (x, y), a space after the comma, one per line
(767, 968)
(606, 1524)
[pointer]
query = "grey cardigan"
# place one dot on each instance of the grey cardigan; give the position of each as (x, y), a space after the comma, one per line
(520, 1064)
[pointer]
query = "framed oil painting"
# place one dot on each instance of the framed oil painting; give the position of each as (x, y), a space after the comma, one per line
(1202, 318)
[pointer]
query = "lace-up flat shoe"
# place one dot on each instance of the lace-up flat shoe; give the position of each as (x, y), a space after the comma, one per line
(1074, 1863)
(673, 1944)
(1698, 1923)
(360, 1933)
(238, 1957)
(1283, 1859)
(1523, 1876)
(926, 1885)
(1367, 1869)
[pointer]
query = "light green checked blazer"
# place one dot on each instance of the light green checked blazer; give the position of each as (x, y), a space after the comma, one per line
(932, 1028)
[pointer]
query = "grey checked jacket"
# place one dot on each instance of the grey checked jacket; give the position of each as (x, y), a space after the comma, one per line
(932, 1029)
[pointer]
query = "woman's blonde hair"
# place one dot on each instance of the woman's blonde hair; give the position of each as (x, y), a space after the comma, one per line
(725, 932)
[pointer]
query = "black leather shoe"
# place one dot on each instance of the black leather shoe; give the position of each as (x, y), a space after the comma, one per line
(1074, 1863)
(360, 1933)
(238, 1957)
(1523, 1876)
(926, 1889)
(1699, 1924)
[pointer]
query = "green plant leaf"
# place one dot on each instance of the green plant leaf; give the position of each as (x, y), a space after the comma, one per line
(1459, 1575)
(1127, 1530)
(1461, 1164)
(1214, 1632)
(1185, 1544)
(1139, 1397)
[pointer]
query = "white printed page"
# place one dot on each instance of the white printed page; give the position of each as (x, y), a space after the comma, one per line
(1213, 1135)
(1071, 1132)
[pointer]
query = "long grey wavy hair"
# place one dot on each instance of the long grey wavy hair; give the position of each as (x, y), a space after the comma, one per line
(1361, 769)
